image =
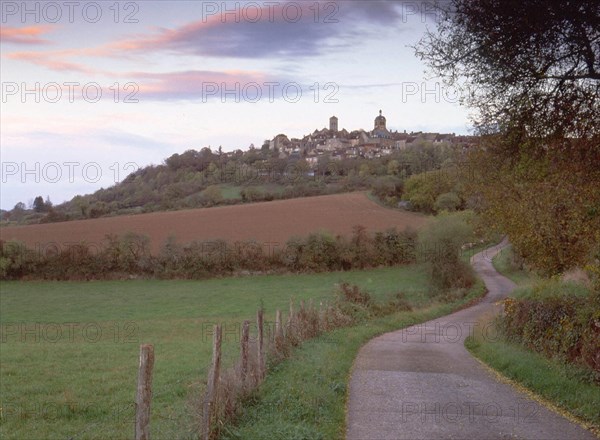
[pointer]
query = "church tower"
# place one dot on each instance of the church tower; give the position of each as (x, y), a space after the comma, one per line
(333, 124)
(380, 122)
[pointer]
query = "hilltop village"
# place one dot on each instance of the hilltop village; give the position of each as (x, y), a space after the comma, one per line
(282, 168)
(343, 144)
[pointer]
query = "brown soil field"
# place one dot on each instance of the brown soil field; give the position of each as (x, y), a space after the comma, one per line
(267, 222)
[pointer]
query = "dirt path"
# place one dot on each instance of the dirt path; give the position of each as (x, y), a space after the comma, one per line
(421, 383)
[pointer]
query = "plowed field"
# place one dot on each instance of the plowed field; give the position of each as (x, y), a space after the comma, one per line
(272, 222)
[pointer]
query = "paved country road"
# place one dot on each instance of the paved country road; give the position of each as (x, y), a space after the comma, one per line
(422, 383)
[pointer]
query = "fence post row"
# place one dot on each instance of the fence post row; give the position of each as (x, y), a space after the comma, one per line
(144, 387)
(144, 393)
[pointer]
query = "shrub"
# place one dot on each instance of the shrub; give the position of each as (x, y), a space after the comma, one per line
(440, 244)
(421, 190)
(251, 194)
(447, 202)
(393, 247)
(321, 252)
(397, 304)
(353, 295)
(16, 260)
(361, 247)
(212, 195)
(556, 319)
(387, 189)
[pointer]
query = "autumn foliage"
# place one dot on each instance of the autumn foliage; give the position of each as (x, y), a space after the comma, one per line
(558, 320)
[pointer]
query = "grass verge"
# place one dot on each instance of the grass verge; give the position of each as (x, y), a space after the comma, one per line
(305, 396)
(566, 388)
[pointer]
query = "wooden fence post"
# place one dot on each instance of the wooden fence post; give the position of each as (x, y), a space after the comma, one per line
(314, 318)
(301, 321)
(278, 324)
(321, 326)
(325, 315)
(291, 317)
(278, 330)
(213, 383)
(244, 352)
(144, 393)
(260, 360)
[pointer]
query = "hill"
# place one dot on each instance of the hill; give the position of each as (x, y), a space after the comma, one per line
(199, 179)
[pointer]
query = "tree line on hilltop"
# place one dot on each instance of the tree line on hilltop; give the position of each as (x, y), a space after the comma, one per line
(206, 178)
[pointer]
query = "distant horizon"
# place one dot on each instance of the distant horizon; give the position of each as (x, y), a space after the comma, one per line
(132, 84)
(29, 200)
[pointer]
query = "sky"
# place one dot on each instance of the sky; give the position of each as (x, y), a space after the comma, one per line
(91, 91)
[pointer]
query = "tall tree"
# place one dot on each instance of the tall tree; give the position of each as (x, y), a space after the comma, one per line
(531, 71)
(38, 204)
(532, 64)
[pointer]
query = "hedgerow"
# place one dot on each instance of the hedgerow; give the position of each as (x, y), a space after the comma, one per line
(130, 255)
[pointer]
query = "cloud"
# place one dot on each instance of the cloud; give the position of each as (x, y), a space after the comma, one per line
(240, 85)
(24, 35)
(271, 30)
(293, 29)
(52, 61)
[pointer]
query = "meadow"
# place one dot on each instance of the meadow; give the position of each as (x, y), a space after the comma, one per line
(69, 350)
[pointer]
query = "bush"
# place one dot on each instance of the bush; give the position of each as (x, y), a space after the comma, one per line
(556, 319)
(251, 194)
(16, 260)
(318, 252)
(440, 244)
(353, 295)
(387, 189)
(212, 195)
(393, 247)
(447, 202)
(422, 190)
(361, 248)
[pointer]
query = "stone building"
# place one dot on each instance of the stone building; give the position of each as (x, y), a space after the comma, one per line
(333, 124)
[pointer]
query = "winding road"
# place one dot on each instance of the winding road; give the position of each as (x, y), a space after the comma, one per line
(422, 383)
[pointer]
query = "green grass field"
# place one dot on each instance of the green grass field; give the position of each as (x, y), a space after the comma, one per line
(234, 192)
(69, 351)
(230, 191)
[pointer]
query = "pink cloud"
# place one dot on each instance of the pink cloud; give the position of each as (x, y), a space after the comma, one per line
(52, 61)
(271, 36)
(259, 32)
(24, 35)
(202, 85)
